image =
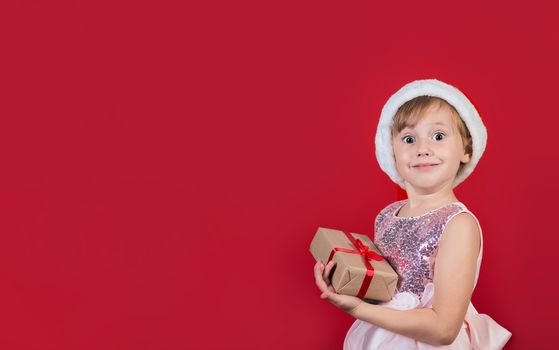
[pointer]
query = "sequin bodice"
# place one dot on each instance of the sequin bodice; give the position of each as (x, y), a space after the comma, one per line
(410, 244)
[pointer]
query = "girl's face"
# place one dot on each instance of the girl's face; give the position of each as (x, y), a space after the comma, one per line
(428, 156)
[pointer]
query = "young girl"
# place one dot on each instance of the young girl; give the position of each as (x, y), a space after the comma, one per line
(429, 139)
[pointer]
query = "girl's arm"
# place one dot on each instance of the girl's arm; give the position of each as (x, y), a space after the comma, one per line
(454, 275)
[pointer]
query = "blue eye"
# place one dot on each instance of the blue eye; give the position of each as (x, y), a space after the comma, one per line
(407, 138)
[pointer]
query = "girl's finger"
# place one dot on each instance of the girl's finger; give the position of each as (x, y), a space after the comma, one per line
(328, 292)
(328, 268)
(318, 272)
(330, 296)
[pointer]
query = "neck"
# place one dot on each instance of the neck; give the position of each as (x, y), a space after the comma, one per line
(429, 200)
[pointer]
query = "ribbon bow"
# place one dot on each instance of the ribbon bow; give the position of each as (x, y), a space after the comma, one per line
(366, 252)
(367, 255)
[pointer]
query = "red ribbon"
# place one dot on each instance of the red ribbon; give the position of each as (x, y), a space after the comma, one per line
(367, 255)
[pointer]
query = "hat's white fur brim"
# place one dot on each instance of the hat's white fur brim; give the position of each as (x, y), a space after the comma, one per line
(428, 87)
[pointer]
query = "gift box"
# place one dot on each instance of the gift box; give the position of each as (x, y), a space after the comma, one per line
(360, 270)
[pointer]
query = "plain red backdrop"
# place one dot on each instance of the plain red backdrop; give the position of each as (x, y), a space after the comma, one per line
(164, 165)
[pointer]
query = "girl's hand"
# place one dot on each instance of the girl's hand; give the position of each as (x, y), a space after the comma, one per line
(347, 303)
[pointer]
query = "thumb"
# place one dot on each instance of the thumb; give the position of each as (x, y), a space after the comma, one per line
(331, 296)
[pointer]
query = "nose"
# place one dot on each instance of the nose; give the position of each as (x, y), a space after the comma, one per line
(423, 149)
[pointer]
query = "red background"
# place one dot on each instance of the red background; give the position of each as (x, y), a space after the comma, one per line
(166, 164)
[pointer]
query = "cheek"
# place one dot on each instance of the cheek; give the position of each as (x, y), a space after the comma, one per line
(401, 159)
(397, 154)
(452, 155)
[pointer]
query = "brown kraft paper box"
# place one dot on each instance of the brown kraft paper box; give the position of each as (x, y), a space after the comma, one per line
(349, 271)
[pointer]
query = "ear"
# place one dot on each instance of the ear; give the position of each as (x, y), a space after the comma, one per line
(465, 158)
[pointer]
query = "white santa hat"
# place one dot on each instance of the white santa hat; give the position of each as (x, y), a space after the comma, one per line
(428, 87)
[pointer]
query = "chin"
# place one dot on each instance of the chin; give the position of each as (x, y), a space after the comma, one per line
(425, 185)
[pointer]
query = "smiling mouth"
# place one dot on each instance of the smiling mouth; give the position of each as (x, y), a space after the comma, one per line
(422, 166)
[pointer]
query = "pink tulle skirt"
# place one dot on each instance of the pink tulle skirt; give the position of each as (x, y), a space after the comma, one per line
(479, 331)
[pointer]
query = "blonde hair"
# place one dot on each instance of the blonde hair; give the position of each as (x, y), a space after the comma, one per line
(411, 112)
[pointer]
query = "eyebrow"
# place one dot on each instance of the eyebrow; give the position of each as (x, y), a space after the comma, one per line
(435, 123)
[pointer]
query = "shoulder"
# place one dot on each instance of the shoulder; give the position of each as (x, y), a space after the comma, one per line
(388, 209)
(463, 221)
(461, 216)
(394, 206)
(462, 230)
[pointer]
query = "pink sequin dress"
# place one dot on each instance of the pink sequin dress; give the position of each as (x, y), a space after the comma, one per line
(410, 244)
